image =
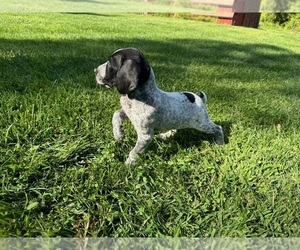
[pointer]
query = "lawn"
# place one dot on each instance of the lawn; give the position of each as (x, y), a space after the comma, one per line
(62, 174)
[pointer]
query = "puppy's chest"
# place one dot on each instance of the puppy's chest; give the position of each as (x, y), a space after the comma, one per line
(135, 108)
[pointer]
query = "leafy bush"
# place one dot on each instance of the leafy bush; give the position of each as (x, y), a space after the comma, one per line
(287, 20)
(294, 22)
(276, 18)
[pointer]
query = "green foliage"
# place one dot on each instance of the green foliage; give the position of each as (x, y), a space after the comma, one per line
(286, 20)
(293, 23)
(187, 16)
(63, 175)
(277, 18)
(281, 12)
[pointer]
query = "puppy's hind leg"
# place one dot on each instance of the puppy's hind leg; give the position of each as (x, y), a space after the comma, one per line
(211, 128)
(218, 134)
(118, 118)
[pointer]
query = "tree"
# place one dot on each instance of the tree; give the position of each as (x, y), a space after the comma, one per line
(277, 5)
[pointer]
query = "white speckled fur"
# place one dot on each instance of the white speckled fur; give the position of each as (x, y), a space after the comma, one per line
(152, 110)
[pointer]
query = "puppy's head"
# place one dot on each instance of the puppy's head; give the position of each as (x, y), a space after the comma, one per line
(126, 69)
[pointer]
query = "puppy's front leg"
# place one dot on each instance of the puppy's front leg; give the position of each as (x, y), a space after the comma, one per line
(118, 118)
(141, 144)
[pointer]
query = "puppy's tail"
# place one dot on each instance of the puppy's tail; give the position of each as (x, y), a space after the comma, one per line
(203, 96)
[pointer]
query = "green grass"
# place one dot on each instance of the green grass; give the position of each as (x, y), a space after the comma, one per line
(62, 174)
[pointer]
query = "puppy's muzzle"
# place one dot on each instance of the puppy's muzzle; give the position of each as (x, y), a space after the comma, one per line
(100, 74)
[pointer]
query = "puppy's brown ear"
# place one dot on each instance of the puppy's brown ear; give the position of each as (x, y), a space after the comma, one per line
(131, 75)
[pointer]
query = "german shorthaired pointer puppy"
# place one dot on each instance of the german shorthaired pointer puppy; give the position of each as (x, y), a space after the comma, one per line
(148, 108)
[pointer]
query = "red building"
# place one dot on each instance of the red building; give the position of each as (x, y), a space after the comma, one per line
(235, 12)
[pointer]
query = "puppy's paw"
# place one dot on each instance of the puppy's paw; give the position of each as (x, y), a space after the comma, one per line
(130, 162)
(168, 134)
(118, 134)
(219, 136)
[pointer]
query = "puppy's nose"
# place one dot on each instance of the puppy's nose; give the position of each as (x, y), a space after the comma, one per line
(95, 70)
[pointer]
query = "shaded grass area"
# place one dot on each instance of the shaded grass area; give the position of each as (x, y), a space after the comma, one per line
(62, 173)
